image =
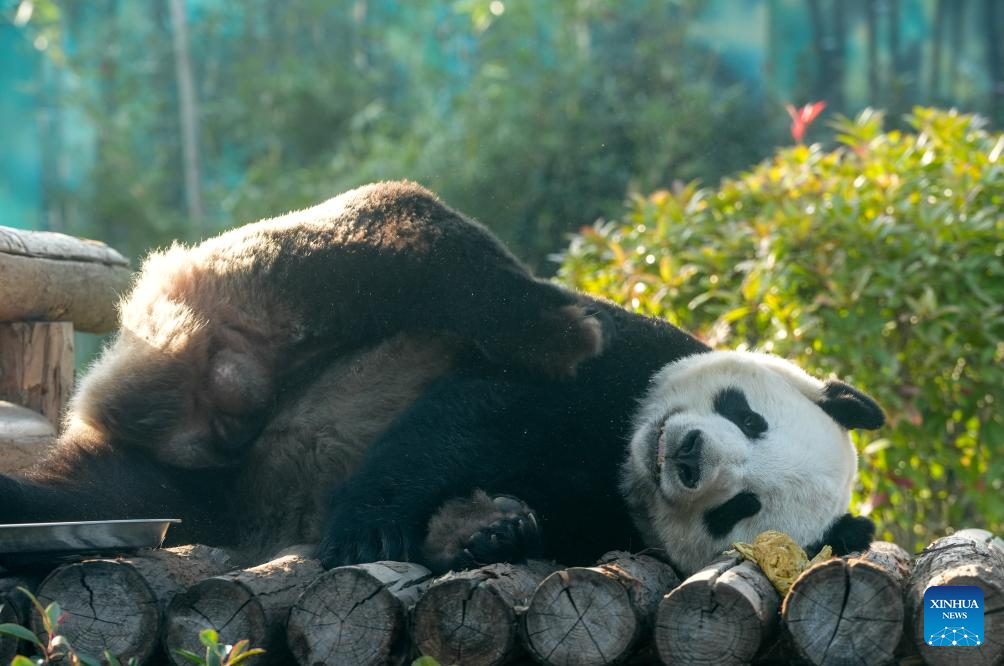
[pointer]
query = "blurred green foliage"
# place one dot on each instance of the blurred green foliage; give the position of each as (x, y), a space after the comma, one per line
(881, 261)
(535, 118)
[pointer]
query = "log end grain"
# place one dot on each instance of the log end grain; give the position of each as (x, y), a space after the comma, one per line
(581, 616)
(463, 622)
(353, 615)
(840, 608)
(123, 616)
(722, 614)
(227, 606)
(959, 560)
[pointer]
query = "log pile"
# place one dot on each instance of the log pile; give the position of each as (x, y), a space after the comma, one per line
(865, 609)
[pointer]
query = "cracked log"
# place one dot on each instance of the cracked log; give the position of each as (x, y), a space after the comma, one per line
(472, 617)
(356, 614)
(959, 560)
(15, 608)
(248, 603)
(52, 277)
(721, 615)
(849, 608)
(596, 615)
(118, 604)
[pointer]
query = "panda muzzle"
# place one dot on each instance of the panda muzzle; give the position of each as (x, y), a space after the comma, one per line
(687, 459)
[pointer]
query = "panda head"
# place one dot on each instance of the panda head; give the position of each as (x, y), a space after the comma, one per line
(729, 444)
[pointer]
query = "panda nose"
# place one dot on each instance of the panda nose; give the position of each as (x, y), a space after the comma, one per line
(688, 459)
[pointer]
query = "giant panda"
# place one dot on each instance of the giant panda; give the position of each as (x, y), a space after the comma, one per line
(655, 443)
(378, 374)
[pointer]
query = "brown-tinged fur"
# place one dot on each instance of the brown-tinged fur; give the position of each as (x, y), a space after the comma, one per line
(212, 334)
(315, 442)
(455, 522)
(252, 370)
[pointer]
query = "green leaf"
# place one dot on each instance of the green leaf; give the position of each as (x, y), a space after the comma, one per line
(17, 631)
(191, 656)
(21, 660)
(425, 661)
(209, 638)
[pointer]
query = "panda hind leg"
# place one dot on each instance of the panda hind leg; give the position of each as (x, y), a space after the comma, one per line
(473, 531)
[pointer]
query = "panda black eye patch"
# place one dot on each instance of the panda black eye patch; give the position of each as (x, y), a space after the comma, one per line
(731, 403)
(720, 520)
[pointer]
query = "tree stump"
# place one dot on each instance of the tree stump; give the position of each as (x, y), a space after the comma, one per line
(472, 617)
(959, 560)
(849, 608)
(723, 614)
(36, 366)
(15, 607)
(248, 604)
(118, 605)
(356, 614)
(52, 277)
(596, 615)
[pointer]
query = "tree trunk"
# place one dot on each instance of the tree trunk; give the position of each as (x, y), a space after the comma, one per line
(596, 615)
(36, 366)
(721, 615)
(248, 604)
(991, 41)
(188, 112)
(471, 617)
(356, 614)
(851, 606)
(937, 38)
(959, 560)
(118, 605)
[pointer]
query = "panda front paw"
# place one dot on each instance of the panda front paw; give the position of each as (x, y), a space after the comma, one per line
(471, 532)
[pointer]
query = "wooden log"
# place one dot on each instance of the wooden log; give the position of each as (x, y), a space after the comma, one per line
(958, 560)
(356, 614)
(16, 608)
(118, 604)
(472, 617)
(52, 277)
(36, 366)
(849, 608)
(25, 437)
(596, 615)
(723, 614)
(248, 604)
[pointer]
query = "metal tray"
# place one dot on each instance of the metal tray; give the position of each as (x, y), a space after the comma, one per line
(24, 544)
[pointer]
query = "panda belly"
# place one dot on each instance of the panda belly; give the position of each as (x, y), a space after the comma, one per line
(320, 432)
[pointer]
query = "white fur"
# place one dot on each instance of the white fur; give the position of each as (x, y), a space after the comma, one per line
(802, 469)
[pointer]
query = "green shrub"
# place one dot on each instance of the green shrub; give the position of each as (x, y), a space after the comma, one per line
(881, 261)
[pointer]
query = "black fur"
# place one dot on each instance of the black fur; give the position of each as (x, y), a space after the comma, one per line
(556, 447)
(850, 407)
(848, 534)
(720, 520)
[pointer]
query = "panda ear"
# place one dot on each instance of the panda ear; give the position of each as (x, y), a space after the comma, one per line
(850, 407)
(847, 534)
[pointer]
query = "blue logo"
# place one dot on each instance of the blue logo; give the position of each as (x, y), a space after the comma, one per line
(953, 615)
